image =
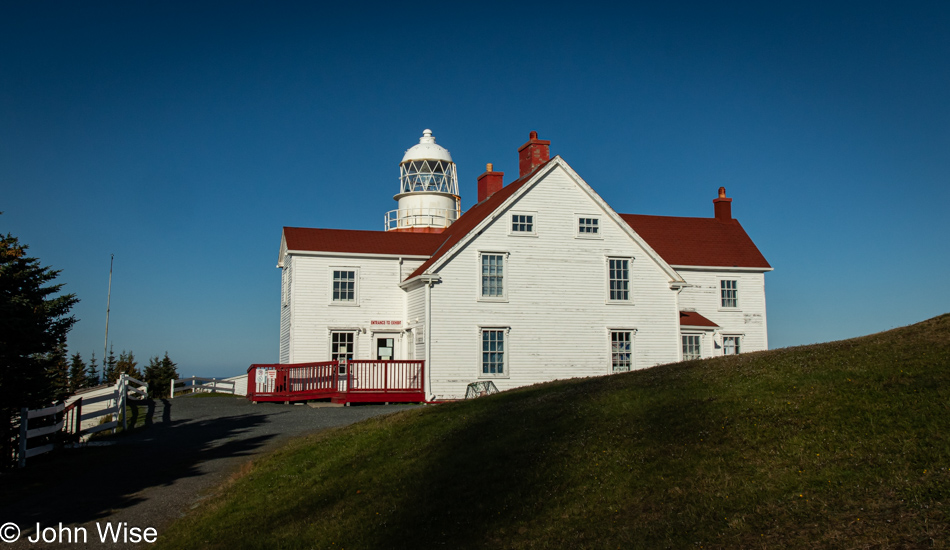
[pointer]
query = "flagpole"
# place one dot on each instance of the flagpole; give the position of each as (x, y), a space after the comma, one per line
(105, 346)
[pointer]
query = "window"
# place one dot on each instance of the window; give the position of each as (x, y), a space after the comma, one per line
(341, 347)
(691, 347)
(493, 276)
(285, 284)
(730, 345)
(729, 291)
(493, 352)
(621, 358)
(522, 223)
(588, 227)
(619, 279)
(344, 286)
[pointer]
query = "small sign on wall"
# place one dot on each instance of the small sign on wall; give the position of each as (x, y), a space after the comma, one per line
(390, 323)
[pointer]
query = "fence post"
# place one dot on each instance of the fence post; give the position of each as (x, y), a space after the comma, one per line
(24, 428)
(78, 411)
(124, 395)
(171, 394)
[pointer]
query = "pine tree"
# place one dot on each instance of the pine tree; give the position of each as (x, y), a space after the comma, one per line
(58, 373)
(109, 375)
(34, 321)
(92, 375)
(159, 374)
(127, 365)
(77, 373)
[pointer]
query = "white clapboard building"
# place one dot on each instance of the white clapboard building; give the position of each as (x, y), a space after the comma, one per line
(540, 280)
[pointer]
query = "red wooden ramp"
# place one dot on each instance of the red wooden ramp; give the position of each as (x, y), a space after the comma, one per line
(355, 381)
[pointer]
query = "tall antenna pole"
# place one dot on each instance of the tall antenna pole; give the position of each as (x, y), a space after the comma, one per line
(105, 346)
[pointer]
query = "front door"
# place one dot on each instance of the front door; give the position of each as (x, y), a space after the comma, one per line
(385, 348)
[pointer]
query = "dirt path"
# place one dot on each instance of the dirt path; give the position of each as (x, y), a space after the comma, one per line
(152, 476)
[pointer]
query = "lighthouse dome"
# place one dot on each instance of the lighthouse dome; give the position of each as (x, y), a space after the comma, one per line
(428, 189)
(427, 149)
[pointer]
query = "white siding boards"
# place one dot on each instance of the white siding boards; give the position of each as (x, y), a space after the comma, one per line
(523, 297)
(556, 311)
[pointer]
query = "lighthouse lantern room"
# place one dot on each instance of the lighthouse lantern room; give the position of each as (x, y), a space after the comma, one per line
(428, 198)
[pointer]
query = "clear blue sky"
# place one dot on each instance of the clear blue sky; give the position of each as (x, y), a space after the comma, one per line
(182, 136)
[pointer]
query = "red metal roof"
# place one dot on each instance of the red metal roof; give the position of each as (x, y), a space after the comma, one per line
(362, 242)
(693, 319)
(698, 241)
(679, 241)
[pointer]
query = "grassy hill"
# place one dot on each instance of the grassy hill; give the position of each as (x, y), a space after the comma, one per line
(838, 445)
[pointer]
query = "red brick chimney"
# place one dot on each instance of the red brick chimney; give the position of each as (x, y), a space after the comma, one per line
(723, 206)
(533, 154)
(489, 183)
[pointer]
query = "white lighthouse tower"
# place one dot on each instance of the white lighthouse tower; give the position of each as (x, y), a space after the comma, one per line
(428, 189)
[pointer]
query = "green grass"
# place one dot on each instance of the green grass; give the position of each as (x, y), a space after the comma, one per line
(839, 445)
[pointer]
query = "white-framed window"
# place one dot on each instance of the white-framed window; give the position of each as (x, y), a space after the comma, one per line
(729, 293)
(342, 344)
(618, 280)
(731, 345)
(588, 226)
(692, 347)
(494, 354)
(285, 275)
(621, 350)
(492, 282)
(344, 287)
(522, 223)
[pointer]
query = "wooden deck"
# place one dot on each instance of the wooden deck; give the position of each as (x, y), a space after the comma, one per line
(355, 381)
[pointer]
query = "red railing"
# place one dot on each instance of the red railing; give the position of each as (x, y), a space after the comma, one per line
(346, 381)
(384, 376)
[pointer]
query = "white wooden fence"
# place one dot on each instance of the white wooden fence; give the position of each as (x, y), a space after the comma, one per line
(196, 384)
(114, 400)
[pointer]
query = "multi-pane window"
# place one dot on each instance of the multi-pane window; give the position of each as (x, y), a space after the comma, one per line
(621, 359)
(730, 345)
(588, 226)
(493, 276)
(344, 286)
(691, 347)
(619, 277)
(493, 351)
(729, 291)
(522, 223)
(341, 345)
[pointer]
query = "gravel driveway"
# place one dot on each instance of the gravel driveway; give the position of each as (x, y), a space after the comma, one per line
(155, 474)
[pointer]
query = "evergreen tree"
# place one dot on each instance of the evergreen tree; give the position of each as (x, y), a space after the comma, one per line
(159, 374)
(109, 375)
(58, 373)
(77, 373)
(92, 375)
(34, 321)
(127, 365)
